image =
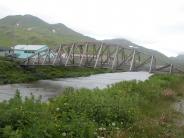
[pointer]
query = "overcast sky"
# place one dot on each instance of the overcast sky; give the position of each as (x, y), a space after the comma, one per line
(155, 24)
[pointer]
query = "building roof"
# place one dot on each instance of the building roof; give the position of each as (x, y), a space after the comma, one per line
(28, 47)
(4, 48)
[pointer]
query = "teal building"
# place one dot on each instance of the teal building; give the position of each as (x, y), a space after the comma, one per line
(25, 51)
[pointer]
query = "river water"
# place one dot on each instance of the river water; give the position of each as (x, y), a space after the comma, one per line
(51, 88)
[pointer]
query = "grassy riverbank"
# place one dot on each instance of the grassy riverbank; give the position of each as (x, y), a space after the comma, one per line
(127, 109)
(11, 72)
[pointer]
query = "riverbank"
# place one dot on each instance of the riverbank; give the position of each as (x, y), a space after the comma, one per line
(127, 109)
(53, 87)
(11, 72)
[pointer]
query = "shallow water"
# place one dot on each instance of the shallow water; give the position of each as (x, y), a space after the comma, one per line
(51, 88)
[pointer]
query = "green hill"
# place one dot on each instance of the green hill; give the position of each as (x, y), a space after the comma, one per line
(28, 29)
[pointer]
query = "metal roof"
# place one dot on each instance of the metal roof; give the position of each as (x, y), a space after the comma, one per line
(4, 48)
(28, 47)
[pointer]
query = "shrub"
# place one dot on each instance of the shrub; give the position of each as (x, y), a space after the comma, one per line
(132, 109)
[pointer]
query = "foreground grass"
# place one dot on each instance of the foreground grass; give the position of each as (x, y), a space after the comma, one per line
(11, 72)
(125, 110)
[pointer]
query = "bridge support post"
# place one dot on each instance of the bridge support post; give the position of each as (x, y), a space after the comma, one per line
(132, 62)
(73, 55)
(87, 56)
(84, 53)
(99, 52)
(151, 64)
(115, 58)
(27, 61)
(108, 56)
(171, 68)
(123, 54)
(59, 52)
(49, 55)
(67, 60)
(34, 60)
(43, 62)
(38, 59)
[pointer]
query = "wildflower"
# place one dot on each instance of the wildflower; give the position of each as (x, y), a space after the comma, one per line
(95, 133)
(100, 129)
(104, 128)
(117, 128)
(99, 137)
(168, 93)
(113, 124)
(57, 109)
(163, 119)
(64, 134)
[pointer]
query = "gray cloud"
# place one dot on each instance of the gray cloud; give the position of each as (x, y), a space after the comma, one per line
(156, 24)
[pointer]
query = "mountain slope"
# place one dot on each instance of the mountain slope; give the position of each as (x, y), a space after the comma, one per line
(32, 30)
(126, 43)
(179, 60)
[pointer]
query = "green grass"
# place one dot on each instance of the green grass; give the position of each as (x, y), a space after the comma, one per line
(125, 110)
(11, 72)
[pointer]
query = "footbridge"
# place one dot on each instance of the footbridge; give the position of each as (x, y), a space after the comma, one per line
(100, 55)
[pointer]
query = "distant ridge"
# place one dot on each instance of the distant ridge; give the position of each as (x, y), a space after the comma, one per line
(178, 59)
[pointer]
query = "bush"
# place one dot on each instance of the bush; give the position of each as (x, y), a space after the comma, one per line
(131, 109)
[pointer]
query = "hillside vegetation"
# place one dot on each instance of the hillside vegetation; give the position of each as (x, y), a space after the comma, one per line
(12, 72)
(28, 29)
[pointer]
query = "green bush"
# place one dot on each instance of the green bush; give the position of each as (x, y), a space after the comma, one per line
(126, 109)
(12, 72)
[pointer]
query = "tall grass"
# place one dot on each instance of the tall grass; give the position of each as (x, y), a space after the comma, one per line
(11, 72)
(126, 109)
